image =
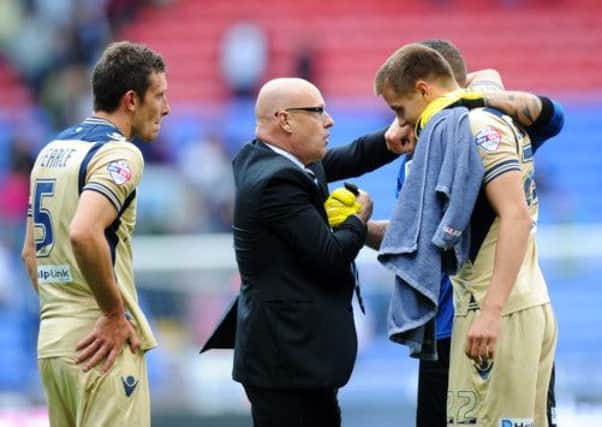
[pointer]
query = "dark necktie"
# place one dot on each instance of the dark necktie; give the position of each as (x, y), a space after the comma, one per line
(354, 271)
(312, 175)
(358, 292)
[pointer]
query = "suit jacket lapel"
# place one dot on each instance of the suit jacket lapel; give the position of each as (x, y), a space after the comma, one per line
(319, 192)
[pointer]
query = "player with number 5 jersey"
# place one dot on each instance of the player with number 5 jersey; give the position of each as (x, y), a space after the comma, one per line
(92, 156)
(77, 249)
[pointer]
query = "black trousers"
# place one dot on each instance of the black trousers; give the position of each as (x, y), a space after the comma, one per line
(294, 407)
(431, 405)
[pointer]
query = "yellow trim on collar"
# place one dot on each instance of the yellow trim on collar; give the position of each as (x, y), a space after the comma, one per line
(445, 101)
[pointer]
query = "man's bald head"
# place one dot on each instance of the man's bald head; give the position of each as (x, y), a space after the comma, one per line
(290, 115)
(282, 93)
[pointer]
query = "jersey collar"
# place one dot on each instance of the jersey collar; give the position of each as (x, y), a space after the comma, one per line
(437, 105)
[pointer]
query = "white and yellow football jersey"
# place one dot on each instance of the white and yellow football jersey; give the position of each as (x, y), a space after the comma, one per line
(91, 156)
(503, 147)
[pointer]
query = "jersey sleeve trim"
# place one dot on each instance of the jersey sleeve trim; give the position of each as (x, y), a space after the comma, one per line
(105, 191)
(500, 169)
(84, 165)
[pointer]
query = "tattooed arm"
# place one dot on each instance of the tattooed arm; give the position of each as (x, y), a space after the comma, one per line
(523, 107)
(541, 117)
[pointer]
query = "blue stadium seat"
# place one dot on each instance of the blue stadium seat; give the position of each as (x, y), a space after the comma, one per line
(14, 359)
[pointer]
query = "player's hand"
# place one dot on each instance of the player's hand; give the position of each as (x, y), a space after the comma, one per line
(365, 201)
(106, 341)
(400, 139)
(483, 335)
(340, 205)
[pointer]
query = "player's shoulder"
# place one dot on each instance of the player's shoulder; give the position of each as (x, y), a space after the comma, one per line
(490, 129)
(481, 118)
(484, 116)
(120, 149)
(124, 146)
(90, 130)
(94, 130)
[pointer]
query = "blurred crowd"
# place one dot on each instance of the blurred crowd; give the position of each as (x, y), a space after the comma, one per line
(52, 45)
(188, 185)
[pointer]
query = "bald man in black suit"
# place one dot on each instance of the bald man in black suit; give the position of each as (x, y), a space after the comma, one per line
(295, 340)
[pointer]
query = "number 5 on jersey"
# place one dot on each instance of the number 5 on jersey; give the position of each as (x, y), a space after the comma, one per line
(42, 218)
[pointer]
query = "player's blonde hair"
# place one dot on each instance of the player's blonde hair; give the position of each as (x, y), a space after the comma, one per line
(409, 64)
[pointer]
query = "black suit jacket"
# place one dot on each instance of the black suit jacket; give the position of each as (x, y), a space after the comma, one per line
(293, 322)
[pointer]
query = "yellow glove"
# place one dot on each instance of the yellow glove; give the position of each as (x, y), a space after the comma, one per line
(340, 204)
(461, 97)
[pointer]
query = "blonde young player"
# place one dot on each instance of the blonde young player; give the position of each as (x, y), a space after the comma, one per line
(543, 121)
(504, 332)
(77, 248)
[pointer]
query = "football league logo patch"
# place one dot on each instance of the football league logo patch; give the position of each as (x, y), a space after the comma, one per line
(129, 384)
(488, 139)
(120, 172)
(484, 368)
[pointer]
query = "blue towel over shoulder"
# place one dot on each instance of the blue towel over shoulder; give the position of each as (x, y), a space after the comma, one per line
(429, 232)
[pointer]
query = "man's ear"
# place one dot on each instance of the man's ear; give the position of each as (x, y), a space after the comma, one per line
(425, 90)
(283, 121)
(130, 100)
(422, 88)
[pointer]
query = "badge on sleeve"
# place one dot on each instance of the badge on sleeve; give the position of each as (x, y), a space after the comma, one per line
(119, 171)
(488, 139)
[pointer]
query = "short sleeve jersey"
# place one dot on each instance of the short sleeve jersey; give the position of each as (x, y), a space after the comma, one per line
(91, 156)
(503, 148)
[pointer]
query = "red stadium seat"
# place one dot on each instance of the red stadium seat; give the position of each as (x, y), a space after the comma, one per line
(537, 45)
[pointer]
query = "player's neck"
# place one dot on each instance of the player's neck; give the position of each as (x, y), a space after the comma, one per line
(119, 120)
(440, 91)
